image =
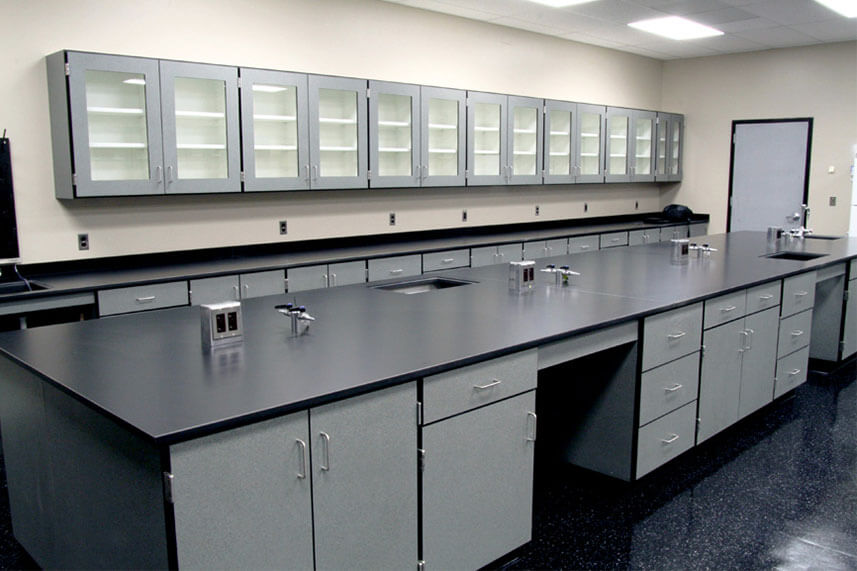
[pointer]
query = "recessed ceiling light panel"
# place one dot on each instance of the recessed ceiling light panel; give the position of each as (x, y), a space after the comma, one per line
(676, 28)
(847, 8)
(560, 3)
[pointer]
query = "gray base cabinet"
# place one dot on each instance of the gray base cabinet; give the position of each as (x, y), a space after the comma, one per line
(827, 313)
(478, 484)
(849, 329)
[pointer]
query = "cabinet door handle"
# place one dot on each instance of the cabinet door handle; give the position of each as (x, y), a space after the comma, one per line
(750, 334)
(584, 247)
(170, 173)
(332, 279)
(236, 293)
(673, 388)
(493, 383)
(398, 271)
(306, 173)
(797, 333)
(671, 439)
(801, 293)
(147, 299)
(746, 337)
(679, 335)
(766, 297)
(794, 372)
(728, 308)
(534, 425)
(314, 173)
(159, 176)
(302, 473)
(325, 439)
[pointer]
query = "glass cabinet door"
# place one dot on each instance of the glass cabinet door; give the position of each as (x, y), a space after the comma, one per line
(590, 143)
(675, 148)
(338, 134)
(486, 138)
(116, 131)
(275, 130)
(616, 165)
(199, 104)
(525, 140)
(663, 129)
(394, 135)
(642, 144)
(442, 136)
(559, 153)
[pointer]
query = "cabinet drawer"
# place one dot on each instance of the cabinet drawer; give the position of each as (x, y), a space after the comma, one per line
(613, 239)
(763, 296)
(142, 298)
(466, 388)
(259, 284)
(798, 293)
(791, 371)
(794, 333)
(583, 244)
(395, 267)
(724, 308)
(672, 334)
(446, 260)
(668, 387)
(346, 273)
(662, 440)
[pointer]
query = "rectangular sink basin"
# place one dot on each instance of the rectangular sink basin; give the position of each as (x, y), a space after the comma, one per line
(422, 285)
(18, 286)
(799, 256)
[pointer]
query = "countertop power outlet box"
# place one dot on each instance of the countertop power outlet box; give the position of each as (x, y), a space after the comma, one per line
(221, 324)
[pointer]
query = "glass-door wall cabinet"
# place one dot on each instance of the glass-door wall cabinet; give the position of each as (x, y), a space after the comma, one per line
(560, 141)
(338, 133)
(642, 145)
(394, 134)
(670, 132)
(590, 143)
(442, 141)
(525, 140)
(109, 108)
(487, 142)
(617, 167)
(676, 147)
(199, 113)
(275, 133)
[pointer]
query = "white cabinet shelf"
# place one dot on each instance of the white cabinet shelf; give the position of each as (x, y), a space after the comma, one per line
(115, 110)
(117, 145)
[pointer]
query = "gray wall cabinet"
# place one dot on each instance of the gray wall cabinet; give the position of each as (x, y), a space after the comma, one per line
(487, 138)
(641, 147)
(670, 147)
(394, 134)
(443, 115)
(589, 137)
(525, 140)
(560, 150)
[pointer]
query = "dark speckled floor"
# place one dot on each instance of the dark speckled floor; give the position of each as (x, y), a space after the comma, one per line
(778, 490)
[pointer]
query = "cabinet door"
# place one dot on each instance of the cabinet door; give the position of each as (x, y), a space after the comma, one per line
(484, 256)
(525, 140)
(259, 284)
(590, 143)
(720, 378)
(849, 332)
(535, 250)
(442, 129)
(199, 110)
(364, 466)
(115, 125)
(662, 133)
(759, 361)
(617, 167)
(214, 290)
(394, 134)
(338, 134)
(559, 152)
(242, 497)
(478, 484)
(275, 130)
(676, 147)
(307, 277)
(642, 146)
(486, 138)
(346, 273)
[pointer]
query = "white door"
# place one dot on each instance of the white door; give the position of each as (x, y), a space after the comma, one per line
(768, 179)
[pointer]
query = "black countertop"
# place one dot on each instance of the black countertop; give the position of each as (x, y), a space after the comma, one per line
(149, 371)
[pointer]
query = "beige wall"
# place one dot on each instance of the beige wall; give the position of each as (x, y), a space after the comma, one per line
(816, 81)
(362, 38)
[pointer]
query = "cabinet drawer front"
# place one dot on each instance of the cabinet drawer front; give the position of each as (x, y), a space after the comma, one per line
(583, 244)
(557, 247)
(259, 284)
(791, 371)
(346, 273)
(535, 250)
(724, 308)
(446, 260)
(763, 296)
(672, 334)
(662, 440)
(798, 293)
(142, 298)
(613, 239)
(794, 333)
(307, 277)
(463, 389)
(668, 387)
(396, 267)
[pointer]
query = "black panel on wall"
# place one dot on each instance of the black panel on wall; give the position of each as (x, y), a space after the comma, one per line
(8, 225)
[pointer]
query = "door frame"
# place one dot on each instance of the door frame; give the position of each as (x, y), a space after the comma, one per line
(735, 123)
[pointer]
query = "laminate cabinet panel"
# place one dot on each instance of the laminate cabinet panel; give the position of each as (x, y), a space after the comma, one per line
(580, 244)
(763, 296)
(668, 387)
(720, 378)
(307, 278)
(849, 330)
(791, 371)
(758, 361)
(671, 334)
(446, 260)
(647, 236)
(613, 239)
(798, 293)
(258, 284)
(724, 308)
(395, 267)
(662, 440)
(142, 298)
(795, 333)
(827, 313)
(214, 290)
(346, 273)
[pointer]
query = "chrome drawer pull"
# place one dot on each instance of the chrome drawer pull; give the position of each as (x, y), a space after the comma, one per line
(448, 260)
(584, 247)
(801, 293)
(766, 297)
(671, 439)
(678, 335)
(794, 372)
(728, 309)
(399, 271)
(797, 333)
(147, 299)
(673, 388)
(493, 383)
(302, 473)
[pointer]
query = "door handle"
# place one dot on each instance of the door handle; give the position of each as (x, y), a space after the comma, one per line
(302, 445)
(532, 437)
(325, 439)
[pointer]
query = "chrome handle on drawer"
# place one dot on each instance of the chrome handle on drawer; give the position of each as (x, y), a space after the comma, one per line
(671, 439)
(399, 271)
(766, 297)
(147, 299)
(326, 452)
(493, 383)
(532, 415)
(801, 293)
(794, 372)
(679, 335)
(447, 260)
(614, 240)
(728, 309)
(673, 388)
(797, 333)
(584, 246)
(302, 473)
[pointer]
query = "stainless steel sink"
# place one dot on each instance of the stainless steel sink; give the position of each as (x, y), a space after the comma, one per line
(799, 256)
(422, 285)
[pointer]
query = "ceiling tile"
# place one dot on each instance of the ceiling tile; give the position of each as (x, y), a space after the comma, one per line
(743, 25)
(788, 12)
(723, 16)
(778, 37)
(838, 30)
(615, 11)
(729, 44)
(689, 7)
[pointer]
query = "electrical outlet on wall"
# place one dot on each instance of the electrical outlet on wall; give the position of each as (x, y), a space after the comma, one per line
(464, 216)
(392, 219)
(537, 209)
(284, 228)
(83, 241)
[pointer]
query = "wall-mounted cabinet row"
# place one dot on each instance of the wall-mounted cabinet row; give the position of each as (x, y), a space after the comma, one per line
(136, 126)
